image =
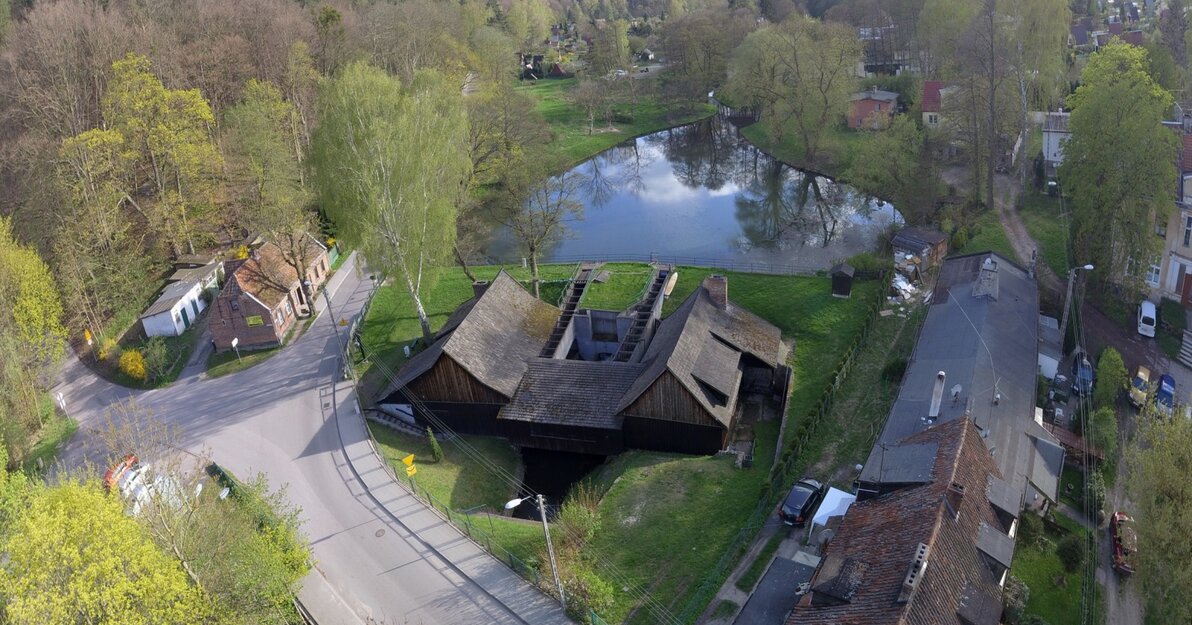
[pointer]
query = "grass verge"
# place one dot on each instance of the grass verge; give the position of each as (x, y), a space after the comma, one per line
(1055, 593)
(572, 141)
(227, 363)
(725, 609)
(989, 236)
(748, 580)
(1047, 226)
(57, 429)
(836, 152)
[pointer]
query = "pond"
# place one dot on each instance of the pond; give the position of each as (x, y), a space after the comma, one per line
(701, 192)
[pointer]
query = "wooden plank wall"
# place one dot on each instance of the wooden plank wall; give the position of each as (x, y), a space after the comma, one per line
(447, 381)
(668, 399)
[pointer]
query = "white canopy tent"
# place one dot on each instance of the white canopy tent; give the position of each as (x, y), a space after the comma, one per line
(835, 503)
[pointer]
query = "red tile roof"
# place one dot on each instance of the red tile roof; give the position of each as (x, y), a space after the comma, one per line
(931, 95)
(877, 541)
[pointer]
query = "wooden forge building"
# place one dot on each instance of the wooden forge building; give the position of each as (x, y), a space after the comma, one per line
(589, 381)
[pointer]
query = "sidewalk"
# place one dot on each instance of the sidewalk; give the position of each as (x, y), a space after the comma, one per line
(522, 600)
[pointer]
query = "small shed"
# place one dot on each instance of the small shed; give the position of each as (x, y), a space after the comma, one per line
(173, 312)
(842, 280)
(924, 247)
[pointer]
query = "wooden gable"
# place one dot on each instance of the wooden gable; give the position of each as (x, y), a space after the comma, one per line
(447, 381)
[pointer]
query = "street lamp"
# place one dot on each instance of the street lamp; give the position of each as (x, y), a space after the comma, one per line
(1068, 302)
(554, 566)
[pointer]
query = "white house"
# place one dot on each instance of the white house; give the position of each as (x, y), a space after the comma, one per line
(1055, 134)
(175, 309)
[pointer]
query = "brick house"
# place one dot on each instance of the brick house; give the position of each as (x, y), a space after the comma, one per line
(262, 297)
(871, 109)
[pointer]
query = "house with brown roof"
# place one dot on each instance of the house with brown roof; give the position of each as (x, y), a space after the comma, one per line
(937, 550)
(263, 295)
(594, 381)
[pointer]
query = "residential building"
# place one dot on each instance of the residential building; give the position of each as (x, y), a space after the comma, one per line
(596, 381)
(931, 102)
(871, 109)
(194, 282)
(1167, 275)
(263, 295)
(1055, 134)
(930, 538)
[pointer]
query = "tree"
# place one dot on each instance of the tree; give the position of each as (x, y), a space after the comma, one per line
(1035, 33)
(73, 556)
(390, 165)
(537, 211)
(698, 46)
(1119, 163)
(157, 358)
(1112, 379)
(610, 47)
(942, 24)
(895, 166)
(594, 98)
(436, 452)
(1159, 488)
(1071, 550)
(267, 176)
(1103, 430)
(502, 124)
(800, 73)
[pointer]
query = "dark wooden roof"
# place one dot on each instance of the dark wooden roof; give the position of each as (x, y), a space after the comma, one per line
(681, 340)
(916, 238)
(492, 337)
(842, 269)
(878, 539)
(572, 392)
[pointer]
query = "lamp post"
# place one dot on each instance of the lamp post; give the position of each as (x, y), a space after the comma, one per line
(1068, 302)
(550, 550)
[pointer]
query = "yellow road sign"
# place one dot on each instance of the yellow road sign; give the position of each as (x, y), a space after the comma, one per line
(411, 470)
(408, 460)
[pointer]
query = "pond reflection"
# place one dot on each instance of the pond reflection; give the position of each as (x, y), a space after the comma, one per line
(702, 191)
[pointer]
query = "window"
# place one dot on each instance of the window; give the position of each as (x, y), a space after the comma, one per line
(280, 319)
(1152, 275)
(289, 309)
(1187, 231)
(933, 118)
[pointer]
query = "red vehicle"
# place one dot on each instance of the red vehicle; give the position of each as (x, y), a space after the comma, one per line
(112, 477)
(1125, 542)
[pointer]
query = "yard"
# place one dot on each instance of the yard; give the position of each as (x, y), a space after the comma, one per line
(626, 284)
(687, 511)
(1055, 594)
(570, 124)
(987, 234)
(1048, 227)
(174, 352)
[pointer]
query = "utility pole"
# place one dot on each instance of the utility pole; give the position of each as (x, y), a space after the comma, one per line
(550, 549)
(1068, 302)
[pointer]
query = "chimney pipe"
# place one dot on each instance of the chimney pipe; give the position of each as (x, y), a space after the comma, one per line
(717, 287)
(479, 287)
(937, 396)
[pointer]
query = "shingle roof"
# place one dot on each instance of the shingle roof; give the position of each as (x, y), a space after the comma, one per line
(917, 238)
(571, 392)
(681, 339)
(1133, 37)
(493, 337)
(931, 95)
(881, 536)
(1080, 35)
(194, 274)
(172, 294)
(266, 274)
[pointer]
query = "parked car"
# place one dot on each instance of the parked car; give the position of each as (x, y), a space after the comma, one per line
(1147, 318)
(1140, 386)
(1125, 542)
(1165, 395)
(112, 477)
(1083, 375)
(1061, 389)
(801, 503)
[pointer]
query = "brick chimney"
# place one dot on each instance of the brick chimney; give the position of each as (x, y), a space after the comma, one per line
(717, 287)
(479, 287)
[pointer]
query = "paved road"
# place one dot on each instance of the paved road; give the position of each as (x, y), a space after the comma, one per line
(774, 597)
(379, 554)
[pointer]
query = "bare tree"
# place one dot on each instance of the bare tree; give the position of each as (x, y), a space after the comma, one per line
(537, 212)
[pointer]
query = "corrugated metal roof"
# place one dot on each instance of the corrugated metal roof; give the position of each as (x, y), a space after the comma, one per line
(172, 294)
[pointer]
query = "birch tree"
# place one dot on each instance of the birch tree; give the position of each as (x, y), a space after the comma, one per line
(537, 211)
(390, 163)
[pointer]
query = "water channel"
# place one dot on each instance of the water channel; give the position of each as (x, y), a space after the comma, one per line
(703, 192)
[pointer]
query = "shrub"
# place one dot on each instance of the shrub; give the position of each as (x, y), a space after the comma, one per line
(1071, 551)
(1014, 600)
(960, 238)
(132, 364)
(436, 452)
(579, 518)
(1097, 494)
(157, 357)
(894, 370)
(870, 263)
(1030, 529)
(1112, 378)
(108, 349)
(1172, 317)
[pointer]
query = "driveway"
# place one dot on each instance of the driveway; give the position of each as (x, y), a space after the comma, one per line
(278, 419)
(774, 597)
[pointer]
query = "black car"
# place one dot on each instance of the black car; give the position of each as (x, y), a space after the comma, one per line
(1083, 375)
(801, 503)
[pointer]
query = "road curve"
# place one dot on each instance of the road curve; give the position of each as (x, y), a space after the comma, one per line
(383, 559)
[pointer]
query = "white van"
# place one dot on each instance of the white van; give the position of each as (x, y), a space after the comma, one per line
(1146, 318)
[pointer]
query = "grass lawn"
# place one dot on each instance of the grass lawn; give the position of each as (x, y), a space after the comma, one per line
(862, 403)
(835, 153)
(1072, 487)
(749, 579)
(725, 609)
(392, 323)
(626, 284)
(227, 363)
(1055, 593)
(570, 125)
(1041, 215)
(989, 237)
(57, 429)
(457, 480)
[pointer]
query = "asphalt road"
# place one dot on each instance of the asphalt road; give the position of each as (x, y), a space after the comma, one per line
(277, 419)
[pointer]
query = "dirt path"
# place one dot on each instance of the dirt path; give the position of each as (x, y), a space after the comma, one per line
(1006, 189)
